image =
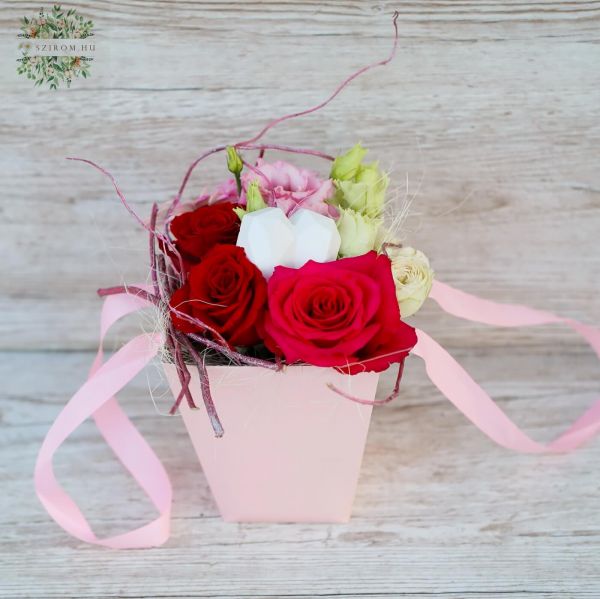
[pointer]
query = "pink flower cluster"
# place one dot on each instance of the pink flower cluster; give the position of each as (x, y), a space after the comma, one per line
(284, 186)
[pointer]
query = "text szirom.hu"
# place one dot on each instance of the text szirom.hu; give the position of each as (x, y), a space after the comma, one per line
(63, 47)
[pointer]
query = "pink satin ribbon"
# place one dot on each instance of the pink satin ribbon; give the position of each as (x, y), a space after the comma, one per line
(95, 398)
(456, 384)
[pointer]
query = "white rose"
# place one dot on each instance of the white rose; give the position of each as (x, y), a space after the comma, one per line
(358, 232)
(413, 278)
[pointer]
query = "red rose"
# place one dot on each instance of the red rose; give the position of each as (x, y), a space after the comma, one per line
(198, 231)
(226, 292)
(336, 314)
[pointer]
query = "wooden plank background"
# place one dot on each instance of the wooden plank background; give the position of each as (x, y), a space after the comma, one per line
(491, 111)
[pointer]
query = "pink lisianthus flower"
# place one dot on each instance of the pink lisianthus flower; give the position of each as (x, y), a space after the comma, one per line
(226, 192)
(285, 186)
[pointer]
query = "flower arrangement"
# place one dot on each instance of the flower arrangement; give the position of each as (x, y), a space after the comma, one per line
(280, 269)
(306, 279)
(280, 266)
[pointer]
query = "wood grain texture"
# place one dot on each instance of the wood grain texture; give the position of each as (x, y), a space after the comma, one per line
(440, 510)
(491, 111)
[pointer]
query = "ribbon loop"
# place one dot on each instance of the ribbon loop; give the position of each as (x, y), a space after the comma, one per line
(96, 398)
(458, 386)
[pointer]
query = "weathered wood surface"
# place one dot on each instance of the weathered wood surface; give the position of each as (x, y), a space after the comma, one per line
(440, 510)
(492, 111)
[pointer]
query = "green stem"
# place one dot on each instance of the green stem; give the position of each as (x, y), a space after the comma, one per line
(238, 181)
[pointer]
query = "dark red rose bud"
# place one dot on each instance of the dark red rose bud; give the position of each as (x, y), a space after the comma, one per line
(198, 231)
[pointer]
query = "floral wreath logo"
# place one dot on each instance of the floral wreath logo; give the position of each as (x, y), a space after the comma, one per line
(53, 70)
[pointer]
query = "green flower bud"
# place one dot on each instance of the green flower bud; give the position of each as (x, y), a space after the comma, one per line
(358, 233)
(254, 199)
(366, 193)
(345, 166)
(360, 187)
(234, 161)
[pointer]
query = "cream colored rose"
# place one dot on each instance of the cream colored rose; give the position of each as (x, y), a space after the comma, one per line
(413, 277)
(358, 233)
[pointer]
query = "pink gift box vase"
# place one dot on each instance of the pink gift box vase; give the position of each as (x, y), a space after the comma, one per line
(292, 447)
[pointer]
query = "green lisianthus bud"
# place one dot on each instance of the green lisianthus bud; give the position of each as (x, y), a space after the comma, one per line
(234, 161)
(345, 166)
(360, 187)
(358, 233)
(235, 166)
(366, 192)
(254, 199)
